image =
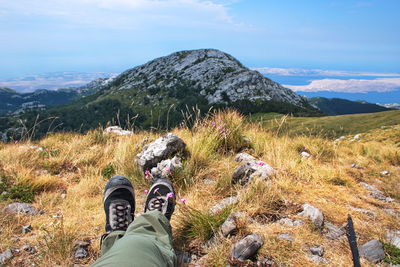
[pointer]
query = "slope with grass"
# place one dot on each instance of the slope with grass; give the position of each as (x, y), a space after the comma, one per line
(329, 126)
(67, 177)
(338, 106)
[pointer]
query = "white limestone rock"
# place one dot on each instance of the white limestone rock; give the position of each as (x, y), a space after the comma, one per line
(313, 214)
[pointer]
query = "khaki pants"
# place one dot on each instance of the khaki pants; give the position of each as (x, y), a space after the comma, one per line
(146, 242)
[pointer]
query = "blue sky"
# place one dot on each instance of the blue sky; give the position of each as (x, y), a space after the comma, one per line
(113, 35)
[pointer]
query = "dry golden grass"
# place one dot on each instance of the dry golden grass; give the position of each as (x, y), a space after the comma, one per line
(80, 165)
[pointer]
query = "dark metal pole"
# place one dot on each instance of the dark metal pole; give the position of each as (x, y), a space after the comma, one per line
(351, 236)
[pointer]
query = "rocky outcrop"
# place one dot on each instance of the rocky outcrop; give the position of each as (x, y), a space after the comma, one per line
(5, 256)
(22, 208)
(246, 247)
(250, 168)
(231, 223)
(313, 214)
(223, 204)
(166, 167)
(217, 76)
(372, 251)
(394, 238)
(375, 193)
(161, 149)
(117, 130)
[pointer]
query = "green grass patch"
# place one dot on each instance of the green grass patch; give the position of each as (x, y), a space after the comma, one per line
(108, 171)
(392, 254)
(328, 126)
(197, 224)
(18, 192)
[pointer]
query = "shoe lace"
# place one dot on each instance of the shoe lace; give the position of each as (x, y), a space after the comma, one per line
(120, 215)
(157, 203)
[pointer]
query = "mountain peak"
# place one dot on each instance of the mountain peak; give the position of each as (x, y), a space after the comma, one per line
(216, 75)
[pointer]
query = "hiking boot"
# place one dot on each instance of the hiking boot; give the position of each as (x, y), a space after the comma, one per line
(119, 203)
(161, 197)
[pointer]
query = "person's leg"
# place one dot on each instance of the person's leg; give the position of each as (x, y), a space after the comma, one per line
(147, 242)
(148, 239)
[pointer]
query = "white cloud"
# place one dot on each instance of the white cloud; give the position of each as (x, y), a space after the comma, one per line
(349, 86)
(127, 14)
(319, 72)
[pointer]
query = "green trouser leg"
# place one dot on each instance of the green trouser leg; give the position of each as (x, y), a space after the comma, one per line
(146, 242)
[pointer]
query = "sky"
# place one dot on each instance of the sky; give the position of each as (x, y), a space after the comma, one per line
(357, 37)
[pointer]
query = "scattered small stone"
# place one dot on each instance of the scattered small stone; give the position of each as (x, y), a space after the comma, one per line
(290, 222)
(29, 248)
(394, 238)
(246, 247)
(356, 137)
(305, 154)
(27, 229)
(81, 253)
(385, 173)
(117, 130)
(244, 157)
(372, 251)
(41, 172)
(22, 208)
(81, 243)
(392, 212)
(339, 139)
(318, 259)
(57, 216)
(285, 236)
(313, 214)
(208, 181)
(265, 262)
(37, 148)
(15, 239)
(161, 149)
(63, 195)
(356, 166)
(375, 193)
(333, 232)
(223, 204)
(5, 256)
(166, 167)
(317, 250)
(230, 224)
(183, 257)
(247, 171)
(368, 212)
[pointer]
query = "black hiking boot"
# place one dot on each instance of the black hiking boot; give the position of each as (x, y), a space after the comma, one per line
(119, 203)
(161, 197)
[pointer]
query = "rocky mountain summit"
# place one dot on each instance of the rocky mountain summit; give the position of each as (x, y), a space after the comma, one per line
(216, 75)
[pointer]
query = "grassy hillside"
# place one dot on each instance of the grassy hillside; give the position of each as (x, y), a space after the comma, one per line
(329, 126)
(338, 106)
(67, 177)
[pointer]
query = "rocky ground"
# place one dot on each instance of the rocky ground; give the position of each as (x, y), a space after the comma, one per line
(245, 197)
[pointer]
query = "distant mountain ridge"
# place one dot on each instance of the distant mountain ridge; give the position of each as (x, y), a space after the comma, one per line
(12, 102)
(338, 106)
